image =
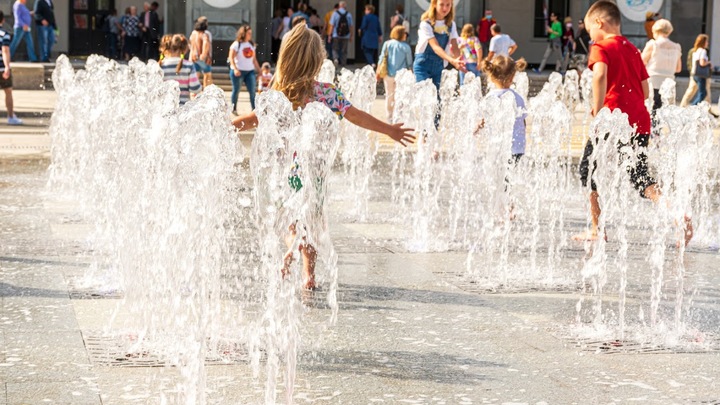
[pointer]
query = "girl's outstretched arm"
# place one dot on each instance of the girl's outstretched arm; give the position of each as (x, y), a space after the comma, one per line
(245, 122)
(367, 121)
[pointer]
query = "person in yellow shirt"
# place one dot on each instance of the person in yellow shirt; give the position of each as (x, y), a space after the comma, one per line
(327, 30)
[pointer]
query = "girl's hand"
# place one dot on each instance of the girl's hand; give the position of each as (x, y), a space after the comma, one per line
(236, 72)
(401, 135)
(459, 65)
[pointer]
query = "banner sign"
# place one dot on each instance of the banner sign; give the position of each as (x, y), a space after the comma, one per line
(636, 10)
(222, 3)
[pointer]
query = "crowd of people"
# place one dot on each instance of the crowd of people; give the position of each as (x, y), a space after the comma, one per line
(132, 35)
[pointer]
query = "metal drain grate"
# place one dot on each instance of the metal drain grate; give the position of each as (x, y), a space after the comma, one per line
(616, 346)
(122, 350)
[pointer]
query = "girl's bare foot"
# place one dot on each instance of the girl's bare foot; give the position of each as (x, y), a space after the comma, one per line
(689, 231)
(309, 258)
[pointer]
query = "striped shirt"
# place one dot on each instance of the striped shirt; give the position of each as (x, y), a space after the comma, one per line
(186, 78)
(4, 41)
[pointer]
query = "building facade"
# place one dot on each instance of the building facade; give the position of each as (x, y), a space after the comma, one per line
(80, 21)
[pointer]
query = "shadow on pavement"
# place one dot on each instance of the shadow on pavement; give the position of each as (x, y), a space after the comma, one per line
(400, 365)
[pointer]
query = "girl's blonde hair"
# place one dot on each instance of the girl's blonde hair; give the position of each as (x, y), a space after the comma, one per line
(467, 31)
(430, 13)
(502, 69)
(301, 56)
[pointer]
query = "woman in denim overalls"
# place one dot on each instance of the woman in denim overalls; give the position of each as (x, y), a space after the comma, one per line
(430, 61)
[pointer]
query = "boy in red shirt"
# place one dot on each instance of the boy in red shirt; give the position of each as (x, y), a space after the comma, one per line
(619, 81)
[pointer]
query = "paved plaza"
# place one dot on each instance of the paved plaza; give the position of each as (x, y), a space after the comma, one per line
(412, 328)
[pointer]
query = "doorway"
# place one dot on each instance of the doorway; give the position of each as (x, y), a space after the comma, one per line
(360, 13)
(87, 18)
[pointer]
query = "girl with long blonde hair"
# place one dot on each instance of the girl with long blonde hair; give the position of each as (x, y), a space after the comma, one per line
(437, 42)
(301, 56)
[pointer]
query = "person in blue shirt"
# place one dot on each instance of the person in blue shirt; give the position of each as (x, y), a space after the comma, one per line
(341, 26)
(22, 30)
(399, 56)
(370, 35)
(302, 11)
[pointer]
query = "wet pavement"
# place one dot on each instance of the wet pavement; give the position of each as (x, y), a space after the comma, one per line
(412, 327)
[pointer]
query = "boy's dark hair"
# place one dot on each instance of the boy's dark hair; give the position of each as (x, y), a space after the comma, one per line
(495, 28)
(2, 16)
(606, 10)
(201, 26)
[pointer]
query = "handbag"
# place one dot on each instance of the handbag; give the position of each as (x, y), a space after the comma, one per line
(702, 71)
(382, 70)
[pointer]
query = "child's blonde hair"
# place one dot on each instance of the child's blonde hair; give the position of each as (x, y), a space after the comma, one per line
(467, 31)
(301, 56)
(502, 69)
(178, 46)
(430, 13)
(165, 44)
(398, 33)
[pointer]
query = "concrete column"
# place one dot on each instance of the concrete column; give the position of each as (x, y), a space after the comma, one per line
(714, 29)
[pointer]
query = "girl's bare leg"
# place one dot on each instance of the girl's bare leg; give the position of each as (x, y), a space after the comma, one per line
(652, 192)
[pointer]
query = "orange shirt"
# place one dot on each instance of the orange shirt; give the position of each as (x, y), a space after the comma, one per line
(328, 16)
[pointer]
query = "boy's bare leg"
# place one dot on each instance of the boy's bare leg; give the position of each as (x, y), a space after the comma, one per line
(207, 79)
(592, 233)
(9, 102)
(652, 192)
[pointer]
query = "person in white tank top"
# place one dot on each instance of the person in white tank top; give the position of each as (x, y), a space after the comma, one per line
(662, 57)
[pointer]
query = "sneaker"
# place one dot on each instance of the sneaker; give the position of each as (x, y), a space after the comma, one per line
(14, 120)
(536, 70)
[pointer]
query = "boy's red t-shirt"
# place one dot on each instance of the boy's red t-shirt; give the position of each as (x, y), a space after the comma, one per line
(625, 73)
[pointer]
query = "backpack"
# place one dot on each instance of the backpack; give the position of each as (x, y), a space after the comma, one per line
(343, 27)
(401, 21)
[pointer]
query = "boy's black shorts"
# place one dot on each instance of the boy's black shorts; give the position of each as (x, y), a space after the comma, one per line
(639, 175)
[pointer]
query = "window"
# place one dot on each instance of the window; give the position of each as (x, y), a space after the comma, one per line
(543, 8)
